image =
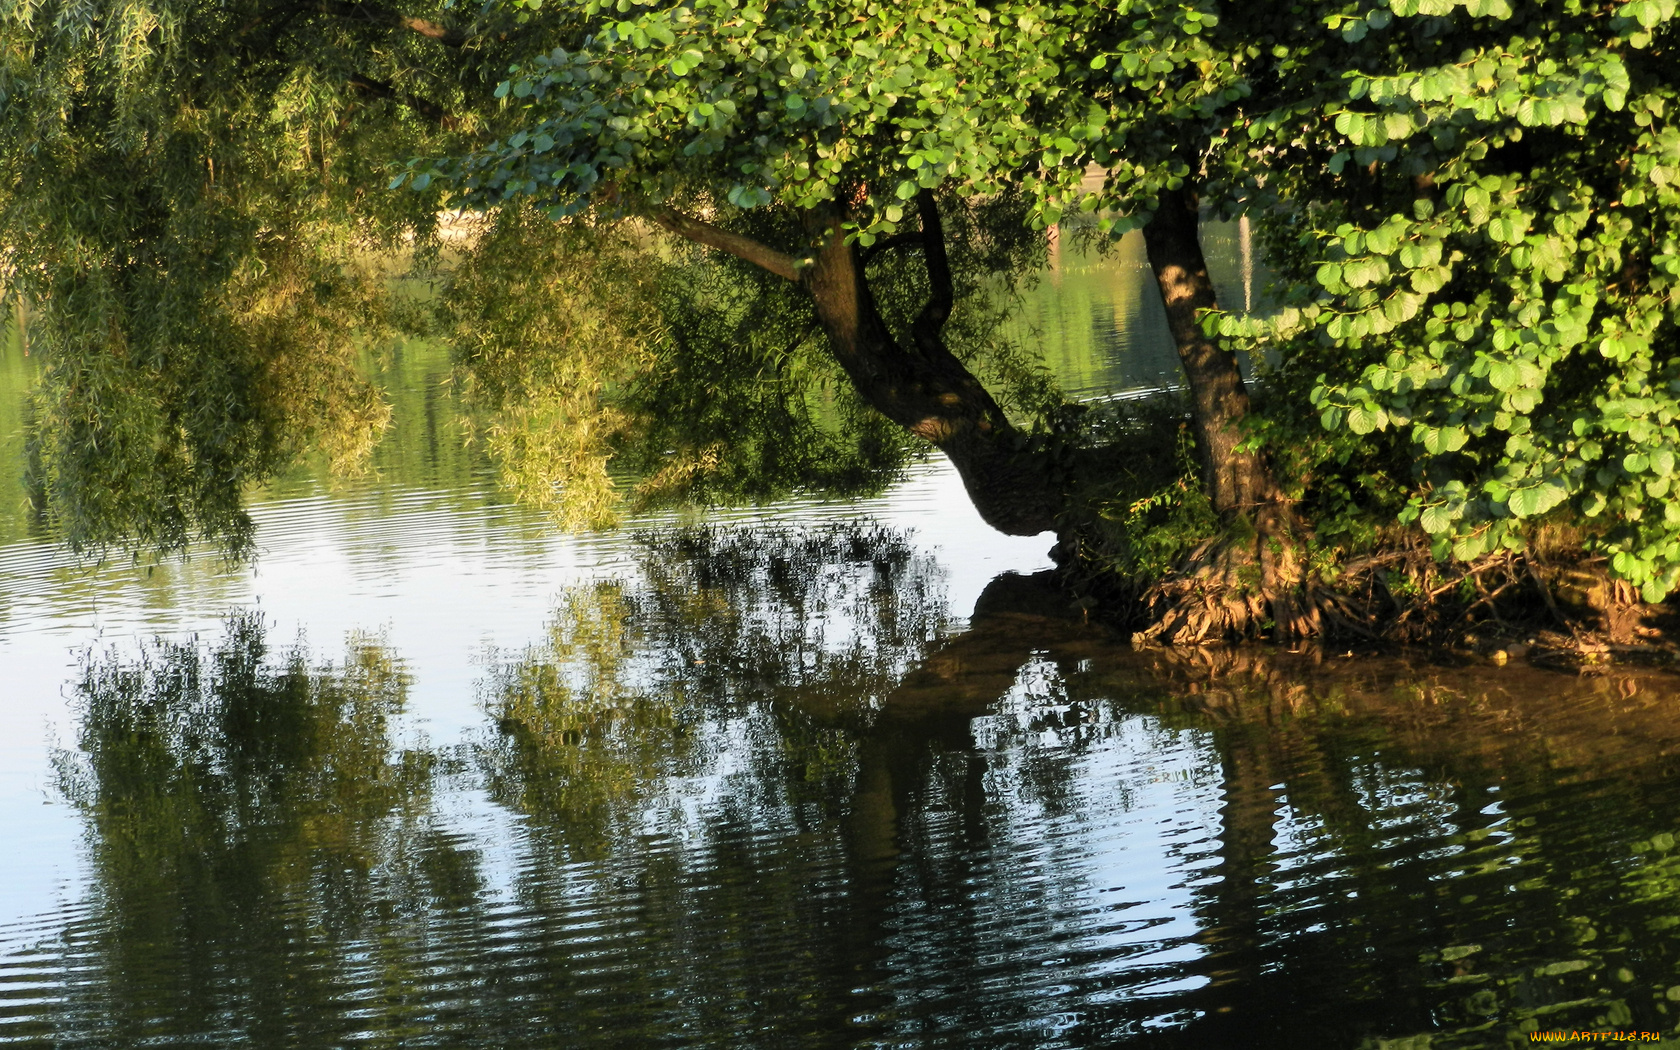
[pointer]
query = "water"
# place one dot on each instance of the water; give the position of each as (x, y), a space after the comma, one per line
(806, 775)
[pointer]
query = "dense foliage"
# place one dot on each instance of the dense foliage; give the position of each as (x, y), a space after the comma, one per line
(194, 204)
(189, 195)
(1479, 214)
(1470, 204)
(1472, 207)
(749, 104)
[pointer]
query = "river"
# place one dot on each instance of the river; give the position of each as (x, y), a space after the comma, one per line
(429, 773)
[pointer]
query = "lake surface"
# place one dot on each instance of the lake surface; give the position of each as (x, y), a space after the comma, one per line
(428, 773)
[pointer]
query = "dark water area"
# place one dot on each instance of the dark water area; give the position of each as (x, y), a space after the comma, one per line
(810, 775)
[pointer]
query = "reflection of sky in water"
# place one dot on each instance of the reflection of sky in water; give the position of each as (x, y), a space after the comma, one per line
(1135, 789)
(439, 578)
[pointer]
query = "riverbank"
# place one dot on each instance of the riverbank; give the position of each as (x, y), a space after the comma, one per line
(1560, 609)
(1148, 555)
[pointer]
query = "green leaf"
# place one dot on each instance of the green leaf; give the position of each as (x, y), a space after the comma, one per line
(1364, 418)
(1444, 439)
(1536, 500)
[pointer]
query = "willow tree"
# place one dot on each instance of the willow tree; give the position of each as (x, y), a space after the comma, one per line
(189, 195)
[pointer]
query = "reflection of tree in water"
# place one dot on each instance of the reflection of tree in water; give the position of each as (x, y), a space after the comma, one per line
(1452, 857)
(235, 807)
(690, 732)
(763, 793)
(769, 643)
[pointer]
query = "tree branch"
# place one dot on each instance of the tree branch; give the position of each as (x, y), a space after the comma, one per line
(700, 232)
(447, 37)
(363, 12)
(940, 294)
(426, 108)
(887, 244)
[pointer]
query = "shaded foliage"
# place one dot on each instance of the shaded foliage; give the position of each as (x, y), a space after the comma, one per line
(187, 201)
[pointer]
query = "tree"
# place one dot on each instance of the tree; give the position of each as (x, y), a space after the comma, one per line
(1478, 216)
(851, 124)
(201, 327)
(190, 197)
(875, 175)
(867, 130)
(1364, 138)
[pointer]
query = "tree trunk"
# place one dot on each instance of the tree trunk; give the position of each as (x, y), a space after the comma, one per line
(1235, 480)
(924, 388)
(1239, 483)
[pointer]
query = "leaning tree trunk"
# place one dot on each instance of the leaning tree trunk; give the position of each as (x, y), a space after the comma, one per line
(923, 387)
(1212, 598)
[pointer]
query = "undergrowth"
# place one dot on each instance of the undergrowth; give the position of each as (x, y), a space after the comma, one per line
(1151, 513)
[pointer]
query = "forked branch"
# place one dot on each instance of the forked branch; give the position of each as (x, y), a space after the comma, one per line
(941, 296)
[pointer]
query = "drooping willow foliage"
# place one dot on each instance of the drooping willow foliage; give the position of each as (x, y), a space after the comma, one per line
(194, 201)
(187, 200)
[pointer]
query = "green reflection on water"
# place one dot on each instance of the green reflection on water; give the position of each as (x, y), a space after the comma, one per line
(423, 448)
(251, 826)
(17, 375)
(1097, 320)
(762, 792)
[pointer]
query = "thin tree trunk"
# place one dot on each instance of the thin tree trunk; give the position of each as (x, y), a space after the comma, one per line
(1238, 482)
(1235, 481)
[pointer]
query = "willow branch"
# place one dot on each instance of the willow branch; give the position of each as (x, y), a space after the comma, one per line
(426, 108)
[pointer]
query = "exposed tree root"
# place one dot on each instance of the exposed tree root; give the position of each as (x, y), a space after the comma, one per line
(1236, 586)
(1403, 595)
(1562, 610)
(1214, 598)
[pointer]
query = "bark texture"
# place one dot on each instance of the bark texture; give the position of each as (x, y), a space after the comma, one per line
(924, 388)
(1215, 596)
(1235, 480)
